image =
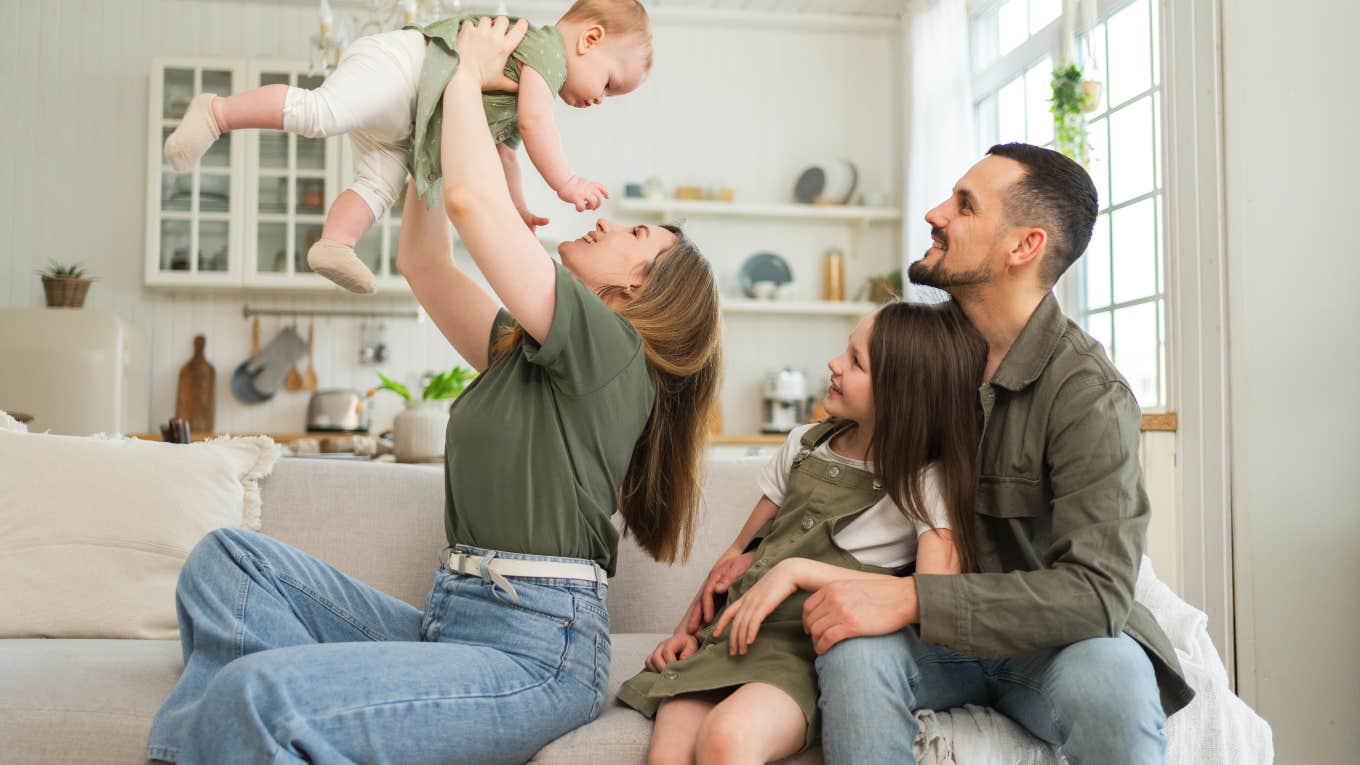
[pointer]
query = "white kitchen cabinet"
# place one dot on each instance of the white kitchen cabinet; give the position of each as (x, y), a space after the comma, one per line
(291, 181)
(194, 219)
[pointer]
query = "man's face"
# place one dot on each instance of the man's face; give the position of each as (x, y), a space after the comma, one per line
(969, 229)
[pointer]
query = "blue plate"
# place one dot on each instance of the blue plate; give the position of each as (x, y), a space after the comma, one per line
(764, 267)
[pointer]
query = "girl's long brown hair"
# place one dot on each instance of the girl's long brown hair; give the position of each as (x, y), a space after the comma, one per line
(675, 312)
(927, 362)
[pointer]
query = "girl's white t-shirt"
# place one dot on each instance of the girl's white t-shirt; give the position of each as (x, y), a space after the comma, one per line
(883, 535)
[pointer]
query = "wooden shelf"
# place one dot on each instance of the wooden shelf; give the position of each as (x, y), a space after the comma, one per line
(830, 213)
(800, 307)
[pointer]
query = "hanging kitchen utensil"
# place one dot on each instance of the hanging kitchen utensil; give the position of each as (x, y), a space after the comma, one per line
(309, 379)
(294, 379)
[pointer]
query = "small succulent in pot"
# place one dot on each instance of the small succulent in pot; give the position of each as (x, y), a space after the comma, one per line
(65, 285)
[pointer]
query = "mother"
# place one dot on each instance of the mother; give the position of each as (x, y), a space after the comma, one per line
(595, 396)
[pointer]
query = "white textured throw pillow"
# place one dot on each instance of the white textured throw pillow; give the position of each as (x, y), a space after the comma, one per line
(93, 531)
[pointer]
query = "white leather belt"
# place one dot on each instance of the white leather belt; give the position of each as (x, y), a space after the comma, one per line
(466, 563)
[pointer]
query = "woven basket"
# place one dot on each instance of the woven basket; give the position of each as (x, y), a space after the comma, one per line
(65, 291)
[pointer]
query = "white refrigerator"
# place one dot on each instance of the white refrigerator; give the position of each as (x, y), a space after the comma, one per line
(76, 371)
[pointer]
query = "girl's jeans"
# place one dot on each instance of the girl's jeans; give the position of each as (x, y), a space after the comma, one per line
(288, 660)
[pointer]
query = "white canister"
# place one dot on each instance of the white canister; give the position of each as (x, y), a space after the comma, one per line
(418, 431)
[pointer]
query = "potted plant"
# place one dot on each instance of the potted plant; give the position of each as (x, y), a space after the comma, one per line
(418, 431)
(65, 285)
(883, 288)
(1073, 97)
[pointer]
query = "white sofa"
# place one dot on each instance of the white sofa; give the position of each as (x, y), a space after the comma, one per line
(85, 701)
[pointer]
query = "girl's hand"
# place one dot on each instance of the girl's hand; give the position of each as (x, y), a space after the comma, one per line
(531, 220)
(725, 573)
(484, 46)
(747, 612)
(678, 646)
(583, 194)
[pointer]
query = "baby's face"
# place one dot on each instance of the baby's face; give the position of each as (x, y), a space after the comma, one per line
(612, 68)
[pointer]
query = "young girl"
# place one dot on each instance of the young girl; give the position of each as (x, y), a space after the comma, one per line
(885, 482)
(386, 91)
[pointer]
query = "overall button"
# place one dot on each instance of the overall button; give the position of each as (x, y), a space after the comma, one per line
(671, 674)
(807, 522)
(430, 177)
(833, 471)
(877, 484)
(760, 563)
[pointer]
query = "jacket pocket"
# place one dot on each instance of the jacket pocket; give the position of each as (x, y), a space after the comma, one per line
(1005, 497)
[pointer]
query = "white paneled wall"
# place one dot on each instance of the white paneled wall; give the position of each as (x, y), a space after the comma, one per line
(736, 104)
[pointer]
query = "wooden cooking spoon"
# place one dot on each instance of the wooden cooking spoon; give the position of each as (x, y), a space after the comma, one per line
(309, 377)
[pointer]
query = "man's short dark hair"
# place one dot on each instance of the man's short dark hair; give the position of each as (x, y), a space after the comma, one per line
(1056, 195)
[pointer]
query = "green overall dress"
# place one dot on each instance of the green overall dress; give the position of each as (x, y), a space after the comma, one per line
(542, 49)
(822, 498)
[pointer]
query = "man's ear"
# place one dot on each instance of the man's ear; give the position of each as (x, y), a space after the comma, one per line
(591, 37)
(1030, 248)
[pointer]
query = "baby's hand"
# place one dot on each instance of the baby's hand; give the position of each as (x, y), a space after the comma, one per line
(531, 220)
(584, 194)
(678, 646)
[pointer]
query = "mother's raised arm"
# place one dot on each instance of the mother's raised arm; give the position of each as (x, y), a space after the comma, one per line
(476, 197)
(461, 309)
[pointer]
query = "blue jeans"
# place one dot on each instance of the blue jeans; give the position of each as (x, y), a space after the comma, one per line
(288, 660)
(1095, 701)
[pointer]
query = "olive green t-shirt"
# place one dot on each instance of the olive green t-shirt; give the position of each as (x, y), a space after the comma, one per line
(538, 446)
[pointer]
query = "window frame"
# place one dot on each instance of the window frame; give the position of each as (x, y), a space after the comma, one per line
(988, 81)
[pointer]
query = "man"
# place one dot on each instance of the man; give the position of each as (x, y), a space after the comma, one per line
(1048, 632)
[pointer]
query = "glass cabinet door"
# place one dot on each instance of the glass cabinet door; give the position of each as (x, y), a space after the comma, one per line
(192, 236)
(292, 187)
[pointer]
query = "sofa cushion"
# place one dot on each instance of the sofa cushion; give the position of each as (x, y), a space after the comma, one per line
(82, 701)
(93, 531)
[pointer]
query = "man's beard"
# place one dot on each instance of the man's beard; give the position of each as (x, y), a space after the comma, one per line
(936, 276)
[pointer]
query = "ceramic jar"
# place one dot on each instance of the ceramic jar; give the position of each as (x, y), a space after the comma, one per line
(418, 431)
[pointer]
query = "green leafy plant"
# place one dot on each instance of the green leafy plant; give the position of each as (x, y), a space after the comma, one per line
(1068, 105)
(448, 384)
(58, 271)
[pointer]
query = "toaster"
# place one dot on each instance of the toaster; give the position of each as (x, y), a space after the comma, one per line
(340, 410)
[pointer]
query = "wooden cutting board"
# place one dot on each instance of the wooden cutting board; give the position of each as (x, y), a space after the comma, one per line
(197, 387)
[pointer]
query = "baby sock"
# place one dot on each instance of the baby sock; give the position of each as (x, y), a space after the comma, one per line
(338, 263)
(196, 132)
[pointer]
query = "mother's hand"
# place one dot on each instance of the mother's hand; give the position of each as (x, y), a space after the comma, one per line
(485, 45)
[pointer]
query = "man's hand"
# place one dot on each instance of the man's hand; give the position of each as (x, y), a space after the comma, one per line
(676, 647)
(855, 608)
(729, 568)
(583, 194)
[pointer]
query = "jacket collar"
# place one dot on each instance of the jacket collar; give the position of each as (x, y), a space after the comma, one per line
(1033, 348)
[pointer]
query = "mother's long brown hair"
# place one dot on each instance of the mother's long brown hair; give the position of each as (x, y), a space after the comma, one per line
(675, 312)
(927, 362)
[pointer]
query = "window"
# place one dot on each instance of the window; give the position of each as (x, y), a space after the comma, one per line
(1117, 290)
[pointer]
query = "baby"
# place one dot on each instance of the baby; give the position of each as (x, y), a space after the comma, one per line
(386, 93)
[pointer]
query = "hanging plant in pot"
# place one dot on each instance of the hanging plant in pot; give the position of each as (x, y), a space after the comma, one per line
(65, 286)
(1073, 97)
(418, 430)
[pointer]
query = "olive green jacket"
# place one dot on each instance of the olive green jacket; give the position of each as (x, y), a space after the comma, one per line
(1061, 511)
(542, 49)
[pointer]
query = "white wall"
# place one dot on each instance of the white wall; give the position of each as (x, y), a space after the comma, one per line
(738, 104)
(1293, 268)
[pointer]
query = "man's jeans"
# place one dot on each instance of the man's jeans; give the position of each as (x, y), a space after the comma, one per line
(1095, 701)
(287, 659)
